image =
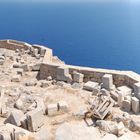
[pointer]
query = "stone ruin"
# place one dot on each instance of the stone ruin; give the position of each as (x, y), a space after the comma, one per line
(41, 97)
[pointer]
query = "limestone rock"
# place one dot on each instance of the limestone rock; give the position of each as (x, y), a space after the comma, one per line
(90, 85)
(15, 117)
(78, 131)
(16, 78)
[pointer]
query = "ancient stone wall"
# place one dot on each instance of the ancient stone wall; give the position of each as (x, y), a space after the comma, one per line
(119, 77)
(48, 68)
(13, 45)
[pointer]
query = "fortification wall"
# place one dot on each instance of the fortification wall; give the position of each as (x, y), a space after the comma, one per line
(120, 77)
(13, 44)
(48, 68)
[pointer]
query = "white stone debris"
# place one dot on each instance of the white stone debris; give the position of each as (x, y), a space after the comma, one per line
(63, 74)
(52, 109)
(135, 105)
(90, 85)
(15, 117)
(107, 81)
(137, 90)
(35, 119)
(16, 78)
(78, 77)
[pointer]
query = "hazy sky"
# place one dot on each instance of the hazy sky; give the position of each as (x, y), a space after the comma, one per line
(129, 1)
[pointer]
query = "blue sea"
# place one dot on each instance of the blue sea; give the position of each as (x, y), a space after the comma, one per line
(96, 34)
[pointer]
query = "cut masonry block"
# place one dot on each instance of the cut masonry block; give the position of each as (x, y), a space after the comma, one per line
(52, 109)
(126, 105)
(107, 81)
(19, 71)
(62, 106)
(63, 74)
(35, 119)
(78, 77)
(15, 117)
(120, 98)
(16, 78)
(137, 90)
(125, 90)
(5, 135)
(135, 105)
(35, 52)
(90, 85)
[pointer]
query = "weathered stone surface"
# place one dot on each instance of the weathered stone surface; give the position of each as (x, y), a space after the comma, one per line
(43, 134)
(24, 67)
(137, 90)
(125, 90)
(135, 105)
(2, 60)
(5, 135)
(31, 83)
(78, 77)
(111, 127)
(107, 81)
(76, 85)
(63, 74)
(19, 71)
(78, 131)
(16, 78)
(80, 114)
(126, 105)
(15, 117)
(35, 119)
(134, 125)
(35, 67)
(45, 83)
(52, 109)
(109, 137)
(120, 98)
(62, 107)
(19, 104)
(90, 85)
(107, 126)
(35, 52)
(114, 95)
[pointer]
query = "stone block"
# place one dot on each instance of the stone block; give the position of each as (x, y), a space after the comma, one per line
(24, 67)
(42, 52)
(90, 85)
(45, 83)
(35, 52)
(107, 81)
(120, 98)
(24, 122)
(114, 95)
(5, 135)
(43, 133)
(62, 74)
(137, 90)
(135, 105)
(52, 109)
(15, 117)
(78, 77)
(35, 67)
(62, 106)
(16, 78)
(19, 71)
(35, 119)
(125, 90)
(2, 60)
(126, 105)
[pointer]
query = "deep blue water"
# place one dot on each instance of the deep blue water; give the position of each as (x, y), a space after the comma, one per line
(103, 35)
